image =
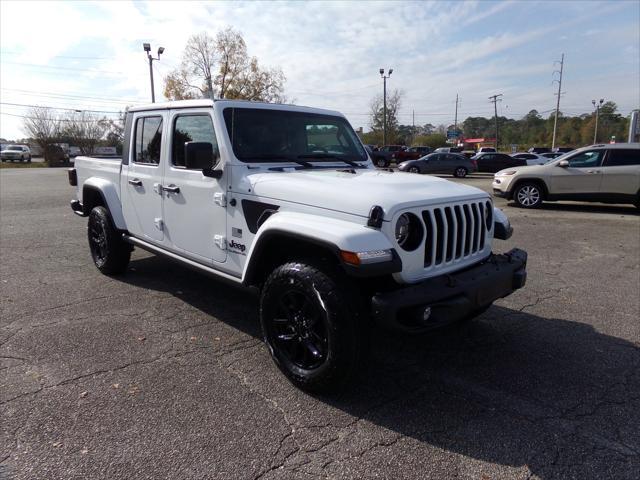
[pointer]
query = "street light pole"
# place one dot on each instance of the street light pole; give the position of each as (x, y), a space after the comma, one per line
(384, 103)
(597, 105)
(147, 48)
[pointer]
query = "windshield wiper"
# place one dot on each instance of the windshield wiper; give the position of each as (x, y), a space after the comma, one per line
(280, 157)
(328, 156)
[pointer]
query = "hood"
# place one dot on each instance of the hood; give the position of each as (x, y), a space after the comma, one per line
(355, 193)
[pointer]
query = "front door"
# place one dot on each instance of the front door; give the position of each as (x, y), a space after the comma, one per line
(194, 206)
(142, 200)
(583, 175)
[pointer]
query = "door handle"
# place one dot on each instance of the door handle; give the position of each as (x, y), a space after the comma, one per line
(593, 171)
(135, 182)
(171, 189)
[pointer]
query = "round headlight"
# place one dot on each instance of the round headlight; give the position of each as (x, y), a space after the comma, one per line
(403, 226)
(409, 231)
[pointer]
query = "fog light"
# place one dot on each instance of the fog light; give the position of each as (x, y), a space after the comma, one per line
(426, 314)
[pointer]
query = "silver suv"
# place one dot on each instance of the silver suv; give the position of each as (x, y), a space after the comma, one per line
(598, 173)
(16, 152)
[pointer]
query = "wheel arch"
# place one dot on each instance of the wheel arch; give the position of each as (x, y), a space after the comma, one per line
(98, 192)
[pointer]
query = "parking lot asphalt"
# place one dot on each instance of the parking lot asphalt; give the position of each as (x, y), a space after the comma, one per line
(160, 373)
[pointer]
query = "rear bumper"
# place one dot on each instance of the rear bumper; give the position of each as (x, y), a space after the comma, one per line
(451, 297)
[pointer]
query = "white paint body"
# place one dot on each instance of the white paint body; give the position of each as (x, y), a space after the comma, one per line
(327, 204)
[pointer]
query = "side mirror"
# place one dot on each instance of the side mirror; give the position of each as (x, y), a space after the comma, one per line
(563, 163)
(200, 156)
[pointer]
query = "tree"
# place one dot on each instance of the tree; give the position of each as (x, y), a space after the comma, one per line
(394, 101)
(85, 130)
(43, 126)
(222, 67)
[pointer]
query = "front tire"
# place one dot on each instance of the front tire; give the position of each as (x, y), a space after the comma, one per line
(528, 195)
(312, 326)
(381, 163)
(109, 252)
(414, 170)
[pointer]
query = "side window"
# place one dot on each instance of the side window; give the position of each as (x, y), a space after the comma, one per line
(620, 157)
(192, 128)
(588, 159)
(148, 140)
(488, 157)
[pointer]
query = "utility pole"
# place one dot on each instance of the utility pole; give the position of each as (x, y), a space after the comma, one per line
(555, 122)
(495, 99)
(597, 105)
(455, 122)
(413, 126)
(147, 48)
(384, 100)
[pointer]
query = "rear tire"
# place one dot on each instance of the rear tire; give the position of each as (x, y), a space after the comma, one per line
(312, 323)
(109, 252)
(528, 195)
(460, 172)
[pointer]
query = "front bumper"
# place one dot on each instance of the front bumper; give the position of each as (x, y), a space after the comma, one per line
(451, 297)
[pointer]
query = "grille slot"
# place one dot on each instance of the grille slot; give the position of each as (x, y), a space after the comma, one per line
(454, 233)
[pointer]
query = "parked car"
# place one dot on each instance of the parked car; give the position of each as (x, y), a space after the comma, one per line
(452, 163)
(563, 149)
(412, 153)
(551, 155)
(531, 158)
(16, 152)
(383, 157)
(599, 173)
(331, 245)
(448, 150)
(494, 162)
(486, 150)
(539, 150)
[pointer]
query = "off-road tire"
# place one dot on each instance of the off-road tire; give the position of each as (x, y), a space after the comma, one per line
(528, 195)
(327, 297)
(109, 252)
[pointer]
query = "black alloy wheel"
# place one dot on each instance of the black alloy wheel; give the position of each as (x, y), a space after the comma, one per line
(109, 252)
(313, 324)
(460, 172)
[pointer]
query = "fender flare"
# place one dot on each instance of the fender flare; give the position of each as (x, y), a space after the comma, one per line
(108, 191)
(331, 234)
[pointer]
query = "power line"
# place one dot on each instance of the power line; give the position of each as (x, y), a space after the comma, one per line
(48, 119)
(59, 108)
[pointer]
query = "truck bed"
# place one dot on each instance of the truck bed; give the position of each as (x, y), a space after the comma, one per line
(102, 167)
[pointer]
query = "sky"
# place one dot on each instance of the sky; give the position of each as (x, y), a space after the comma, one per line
(89, 56)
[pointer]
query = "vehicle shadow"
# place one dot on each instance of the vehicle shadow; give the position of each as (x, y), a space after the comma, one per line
(587, 208)
(514, 389)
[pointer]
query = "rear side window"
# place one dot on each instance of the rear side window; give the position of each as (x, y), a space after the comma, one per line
(148, 140)
(588, 159)
(191, 128)
(617, 158)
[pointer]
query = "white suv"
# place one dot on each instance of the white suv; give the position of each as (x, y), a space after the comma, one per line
(16, 152)
(598, 173)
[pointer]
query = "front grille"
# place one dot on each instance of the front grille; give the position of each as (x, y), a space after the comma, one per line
(454, 232)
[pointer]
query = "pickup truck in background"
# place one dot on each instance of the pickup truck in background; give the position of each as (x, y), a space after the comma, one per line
(285, 200)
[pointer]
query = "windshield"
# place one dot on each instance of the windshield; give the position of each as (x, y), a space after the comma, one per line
(13, 148)
(266, 135)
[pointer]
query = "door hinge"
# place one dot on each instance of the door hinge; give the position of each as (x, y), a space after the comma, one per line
(220, 241)
(220, 198)
(159, 223)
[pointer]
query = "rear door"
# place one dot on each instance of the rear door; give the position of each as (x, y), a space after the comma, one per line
(582, 176)
(621, 171)
(194, 205)
(141, 194)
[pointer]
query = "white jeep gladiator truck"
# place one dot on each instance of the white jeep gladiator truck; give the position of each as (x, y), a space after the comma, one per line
(285, 199)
